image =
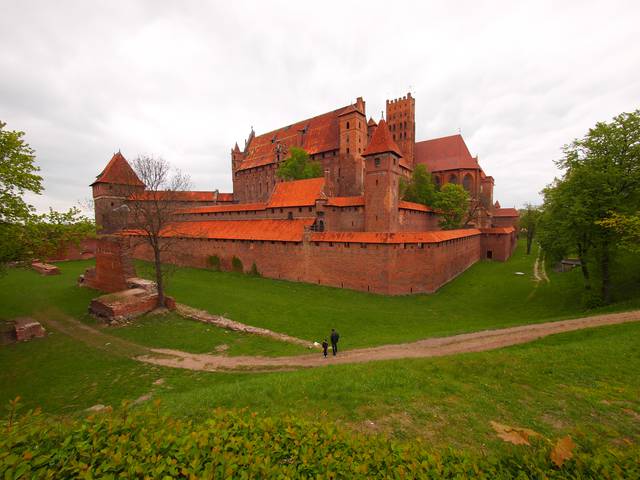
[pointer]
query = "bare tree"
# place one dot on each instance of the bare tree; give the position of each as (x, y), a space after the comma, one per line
(151, 212)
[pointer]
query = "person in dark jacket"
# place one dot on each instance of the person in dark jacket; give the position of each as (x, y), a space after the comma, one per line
(325, 347)
(335, 336)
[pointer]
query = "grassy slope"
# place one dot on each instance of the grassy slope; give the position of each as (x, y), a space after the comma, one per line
(578, 382)
(488, 295)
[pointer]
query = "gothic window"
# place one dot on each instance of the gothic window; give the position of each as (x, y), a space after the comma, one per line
(347, 125)
(290, 215)
(467, 182)
(377, 162)
(453, 178)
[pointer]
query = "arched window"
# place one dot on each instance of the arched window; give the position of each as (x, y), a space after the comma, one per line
(467, 182)
(453, 178)
(438, 181)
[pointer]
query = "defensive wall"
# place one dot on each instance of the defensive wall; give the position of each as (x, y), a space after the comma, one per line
(384, 263)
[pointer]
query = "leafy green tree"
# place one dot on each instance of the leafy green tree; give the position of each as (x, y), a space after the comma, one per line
(529, 217)
(298, 166)
(46, 234)
(17, 175)
(453, 201)
(627, 227)
(420, 188)
(601, 178)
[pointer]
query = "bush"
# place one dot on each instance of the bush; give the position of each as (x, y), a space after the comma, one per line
(236, 264)
(591, 300)
(232, 444)
(214, 262)
(254, 270)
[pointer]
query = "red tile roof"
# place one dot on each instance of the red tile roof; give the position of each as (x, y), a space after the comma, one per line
(357, 201)
(234, 207)
(225, 197)
(176, 196)
(320, 135)
(276, 230)
(381, 141)
(505, 212)
(118, 171)
(446, 153)
(498, 230)
(297, 193)
(400, 237)
(414, 206)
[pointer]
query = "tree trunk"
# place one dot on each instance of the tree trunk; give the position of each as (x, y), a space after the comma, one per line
(583, 267)
(606, 276)
(529, 241)
(159, 279)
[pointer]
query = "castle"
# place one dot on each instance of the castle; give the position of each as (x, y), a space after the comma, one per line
(347, 229)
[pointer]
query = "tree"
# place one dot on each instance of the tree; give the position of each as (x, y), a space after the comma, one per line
(17, 175)
(150, 212)
(627, 227)
(601, 178)
(529, 217)
(453, 202)
(298, 166)
(420, 188)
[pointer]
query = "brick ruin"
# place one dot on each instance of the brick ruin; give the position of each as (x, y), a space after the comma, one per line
(128, 296)
(347, 229)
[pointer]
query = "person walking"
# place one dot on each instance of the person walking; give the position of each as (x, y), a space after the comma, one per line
(325, 347)
(335, 336)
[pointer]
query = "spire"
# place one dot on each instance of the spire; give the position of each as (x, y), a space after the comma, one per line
(118, 171)
(236, 149)
(381, 141)
(371, 122)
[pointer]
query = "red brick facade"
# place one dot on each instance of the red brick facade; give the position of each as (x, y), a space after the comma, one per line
(349, 229)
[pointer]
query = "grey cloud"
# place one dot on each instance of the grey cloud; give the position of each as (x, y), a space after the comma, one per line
(186, 80)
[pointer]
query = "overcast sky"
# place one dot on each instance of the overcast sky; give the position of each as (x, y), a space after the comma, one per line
(186, 80)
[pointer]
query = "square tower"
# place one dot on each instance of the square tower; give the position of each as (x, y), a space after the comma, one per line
(401, 120)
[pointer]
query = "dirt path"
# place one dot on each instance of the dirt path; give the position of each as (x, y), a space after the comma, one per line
(433, 347)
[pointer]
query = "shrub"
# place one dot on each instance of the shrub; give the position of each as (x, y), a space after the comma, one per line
(214, 262)
(232, 444)
(254, 270)
(236, 264)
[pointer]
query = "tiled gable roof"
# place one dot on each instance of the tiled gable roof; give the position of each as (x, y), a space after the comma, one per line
(355, 201)
(321, 134)
(381, 141)
(446, 153)
(414, 206)
(256, 230)
(297, 193)
(176, 196)
(234, 207)
(118, 171)
(400, 237)
(505, 212)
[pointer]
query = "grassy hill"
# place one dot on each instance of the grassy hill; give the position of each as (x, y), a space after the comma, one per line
(583, 383)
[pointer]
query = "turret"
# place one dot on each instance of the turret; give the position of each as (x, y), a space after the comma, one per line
(381, 184)
(111, 189)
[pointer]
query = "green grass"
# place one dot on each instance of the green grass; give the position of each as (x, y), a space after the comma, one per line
(582, 383)
(488, 295)
(178, 333)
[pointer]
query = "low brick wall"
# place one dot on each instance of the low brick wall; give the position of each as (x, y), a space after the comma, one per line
(392, 269)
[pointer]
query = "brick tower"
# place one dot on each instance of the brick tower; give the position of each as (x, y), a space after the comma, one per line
(112, 187)
(401, 118)
(352, 124)
(381, 184)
